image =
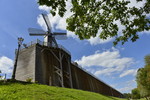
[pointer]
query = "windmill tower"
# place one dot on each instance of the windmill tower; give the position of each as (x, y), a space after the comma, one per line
(45, 62)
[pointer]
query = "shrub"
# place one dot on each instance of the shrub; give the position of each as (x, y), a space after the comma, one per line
(29, 80)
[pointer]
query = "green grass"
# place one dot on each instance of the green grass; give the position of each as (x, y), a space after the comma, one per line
(21, 91)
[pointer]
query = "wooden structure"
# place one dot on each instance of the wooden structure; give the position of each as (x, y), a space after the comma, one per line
(52, 66)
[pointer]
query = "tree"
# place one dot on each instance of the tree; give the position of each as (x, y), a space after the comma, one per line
(143, 78)
(135, 94)
(147, 60)
(88, 16)
(0, 73)
(127, 95)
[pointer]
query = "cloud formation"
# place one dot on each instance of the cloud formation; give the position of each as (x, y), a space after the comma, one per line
(96, 40)
(108, 58)
(134, 3)
(6, 65)
(129, 72)
(45, 8)
(107, 62)
(127, 86)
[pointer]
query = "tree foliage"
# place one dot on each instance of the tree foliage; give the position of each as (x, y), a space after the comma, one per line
(0, 73)
(127, 95)
(143, 78)
(147, 60)
(88, 16)
(135, 94)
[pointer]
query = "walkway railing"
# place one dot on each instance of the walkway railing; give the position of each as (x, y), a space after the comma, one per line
(44, 44)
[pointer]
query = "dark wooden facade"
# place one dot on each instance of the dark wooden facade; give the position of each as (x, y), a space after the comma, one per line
(53, 66)
(86, 81)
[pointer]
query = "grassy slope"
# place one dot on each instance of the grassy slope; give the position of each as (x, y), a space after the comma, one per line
(18, 91)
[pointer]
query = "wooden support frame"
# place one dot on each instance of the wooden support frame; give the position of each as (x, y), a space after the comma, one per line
(58, 69)
(70, 75)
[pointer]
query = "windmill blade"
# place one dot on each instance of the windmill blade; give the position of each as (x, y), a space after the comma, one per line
(54, 40)
(60, 36)
(34, 31)
(58, 33)
(48, 24)
(35, 34)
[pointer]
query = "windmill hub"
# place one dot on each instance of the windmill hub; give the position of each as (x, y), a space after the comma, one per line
(49, 36)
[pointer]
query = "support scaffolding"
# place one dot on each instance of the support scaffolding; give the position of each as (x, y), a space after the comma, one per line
(61, 69)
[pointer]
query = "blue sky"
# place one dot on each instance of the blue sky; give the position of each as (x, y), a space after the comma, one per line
(115, 66)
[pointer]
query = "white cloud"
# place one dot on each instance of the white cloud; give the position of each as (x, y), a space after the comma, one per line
(106, 71)
(96, 40)
(134, 3)
(128, 86)
(144, 32)
(45, 8)
(6, 65)
(126, 89)
(108, 61)
(129, 72)
(105, 59)
(41, 22)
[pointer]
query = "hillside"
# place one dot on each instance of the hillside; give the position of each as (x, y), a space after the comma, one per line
(24, 91)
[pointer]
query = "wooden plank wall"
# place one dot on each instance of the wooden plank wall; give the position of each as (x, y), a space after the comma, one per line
(84, 81)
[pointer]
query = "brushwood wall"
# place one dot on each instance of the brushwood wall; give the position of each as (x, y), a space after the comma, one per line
(85, 81)
(53, 66)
